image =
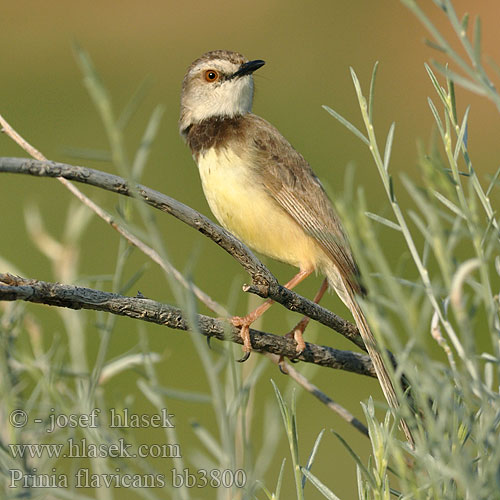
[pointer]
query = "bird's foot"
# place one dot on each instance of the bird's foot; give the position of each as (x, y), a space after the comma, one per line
(244, 324)
(296, 334)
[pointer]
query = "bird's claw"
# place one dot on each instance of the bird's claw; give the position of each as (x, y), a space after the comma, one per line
(245, 356)
(245, 336)
(281, 366)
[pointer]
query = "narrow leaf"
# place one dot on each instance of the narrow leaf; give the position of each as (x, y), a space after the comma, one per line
(150, 392)
(462, 135)
(280, 480)
(486, 356)
(268, 494)
(355, 80)
(347, 124)
(484, 238)
(191, 397)
(465, 22)
(434, 45)
(391, 190)
(436, 117)
(423, 228)
(494, 65)
(450, 171)
(372, 91)
(435, 83)
(208, 440)
(124, 363)
(312, 456)
(383, 220)
(148, 137)
(282, 405)
(451, 89)
(358, 461)
(445, 201)
(460, 80)
(362, 493)
(388, 146)
(134, 103)
(92, 80)
(326, 492)
(477, 41)
(493, 182)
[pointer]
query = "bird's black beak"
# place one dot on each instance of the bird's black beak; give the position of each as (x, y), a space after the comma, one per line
(248, 67)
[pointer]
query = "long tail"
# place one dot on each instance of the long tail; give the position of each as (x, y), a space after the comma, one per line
(348, 296)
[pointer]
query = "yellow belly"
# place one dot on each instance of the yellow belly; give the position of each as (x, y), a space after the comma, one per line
(245, 209)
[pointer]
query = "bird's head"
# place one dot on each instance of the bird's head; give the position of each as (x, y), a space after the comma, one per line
(218, 84)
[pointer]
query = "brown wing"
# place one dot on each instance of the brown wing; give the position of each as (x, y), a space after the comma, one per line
(289, 178)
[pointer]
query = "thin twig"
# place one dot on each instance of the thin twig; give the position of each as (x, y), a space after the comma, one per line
(317, 393)
(150, 252)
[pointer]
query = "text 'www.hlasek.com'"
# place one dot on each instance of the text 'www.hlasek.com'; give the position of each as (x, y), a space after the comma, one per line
(102, 440)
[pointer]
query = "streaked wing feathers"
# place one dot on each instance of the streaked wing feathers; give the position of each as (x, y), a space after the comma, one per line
(290, 179)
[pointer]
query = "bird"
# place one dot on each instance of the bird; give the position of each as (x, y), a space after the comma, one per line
(265, 193)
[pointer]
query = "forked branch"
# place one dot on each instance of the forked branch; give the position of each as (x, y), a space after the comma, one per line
(264, 283)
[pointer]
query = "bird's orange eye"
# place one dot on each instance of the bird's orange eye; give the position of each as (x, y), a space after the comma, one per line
(211, 75)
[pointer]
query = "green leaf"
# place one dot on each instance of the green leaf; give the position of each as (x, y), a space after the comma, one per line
(209, 441)
(347, 124)
(150, 392)
(355, 80)
(134, 103)
(423, 228)
(282, 405)
(326, 492)
(465, 22)
(493, 182)
(434, 45)
(269, 495)
(383, 220)
(312, 456)
(462, 135)
(289, 420)
(436, 117)
(477, 41)
(459, 79)
(388, 146)
(148, 137)
(445, 201)
(453, 103)
(189, 396)
(356, 458)
(372, 91)
(124, 363)
(93, 81)
(280, 480)
(435, 83)
(391, 190)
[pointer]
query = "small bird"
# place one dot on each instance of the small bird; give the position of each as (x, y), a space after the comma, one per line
(264, 192)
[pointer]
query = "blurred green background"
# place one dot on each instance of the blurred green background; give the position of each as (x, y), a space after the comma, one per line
(308, 47)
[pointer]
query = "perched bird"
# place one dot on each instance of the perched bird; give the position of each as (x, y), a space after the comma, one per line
(264, 192)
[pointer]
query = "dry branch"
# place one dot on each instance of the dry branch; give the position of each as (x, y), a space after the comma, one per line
(75, 297)
(264, 283)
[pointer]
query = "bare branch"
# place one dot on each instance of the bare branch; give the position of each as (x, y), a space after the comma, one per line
(265, 284)
(100, 212)
(73, 297)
